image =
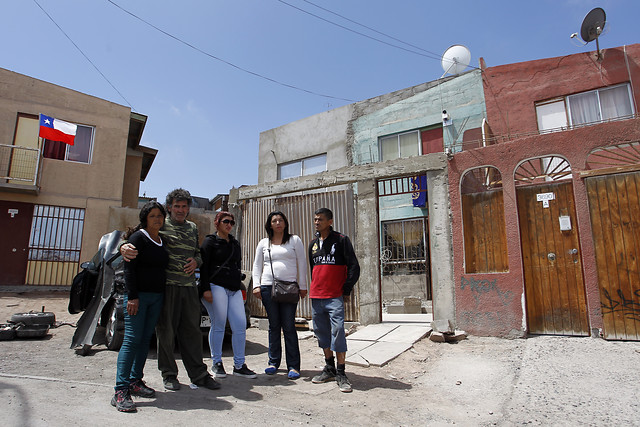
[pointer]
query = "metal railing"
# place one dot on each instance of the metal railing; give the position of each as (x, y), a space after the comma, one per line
(19, 165)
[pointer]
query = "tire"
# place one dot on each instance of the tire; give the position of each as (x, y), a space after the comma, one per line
(34, 318)
(32, 331)
(114, 334)
(7, 332)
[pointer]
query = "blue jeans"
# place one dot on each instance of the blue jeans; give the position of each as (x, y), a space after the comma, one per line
(226, 304)
(138, 330)
(282, 316)
(328, 323)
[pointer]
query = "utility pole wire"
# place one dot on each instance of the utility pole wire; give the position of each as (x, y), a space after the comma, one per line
(83, 54)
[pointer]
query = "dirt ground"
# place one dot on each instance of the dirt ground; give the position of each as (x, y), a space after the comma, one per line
(479, 381)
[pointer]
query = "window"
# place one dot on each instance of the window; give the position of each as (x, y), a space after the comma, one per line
(308, 166)
(399, 146)
(79, 152)
(584, 108)
(56, 234)
(404, 247)
(483, 224)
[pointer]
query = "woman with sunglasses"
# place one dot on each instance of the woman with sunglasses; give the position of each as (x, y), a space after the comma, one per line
(221, 293)
(281, 255)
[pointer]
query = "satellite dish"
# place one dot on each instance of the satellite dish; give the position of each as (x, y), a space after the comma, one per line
(455, 59)
(593, 26)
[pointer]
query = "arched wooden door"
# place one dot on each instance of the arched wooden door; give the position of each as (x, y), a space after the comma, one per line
(550, 244)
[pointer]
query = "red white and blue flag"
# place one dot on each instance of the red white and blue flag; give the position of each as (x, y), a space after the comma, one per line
(57, 130)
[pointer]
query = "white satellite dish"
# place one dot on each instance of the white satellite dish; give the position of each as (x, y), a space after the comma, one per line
(455, 59)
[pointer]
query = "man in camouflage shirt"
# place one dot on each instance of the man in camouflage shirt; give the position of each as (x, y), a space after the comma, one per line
(180, 317)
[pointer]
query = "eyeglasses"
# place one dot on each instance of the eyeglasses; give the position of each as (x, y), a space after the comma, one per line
(228, 221)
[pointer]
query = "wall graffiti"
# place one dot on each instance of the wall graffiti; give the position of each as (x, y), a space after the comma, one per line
(485, 286)
(628, 307)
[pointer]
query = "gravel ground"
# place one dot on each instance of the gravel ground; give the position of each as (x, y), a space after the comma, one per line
(479, 381)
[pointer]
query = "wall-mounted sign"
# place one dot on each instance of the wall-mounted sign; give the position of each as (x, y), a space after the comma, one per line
(544, 198)
(13, 212)
(565, 222)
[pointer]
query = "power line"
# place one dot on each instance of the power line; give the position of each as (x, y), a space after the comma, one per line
(253, 73)
(428, 54)
(83, 54)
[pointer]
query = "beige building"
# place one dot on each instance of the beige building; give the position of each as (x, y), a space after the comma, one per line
(57, 200)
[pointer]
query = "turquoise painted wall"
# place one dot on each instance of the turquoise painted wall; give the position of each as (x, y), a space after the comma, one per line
(462, 97)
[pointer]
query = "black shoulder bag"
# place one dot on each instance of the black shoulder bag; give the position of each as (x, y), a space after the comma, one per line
(283, 290)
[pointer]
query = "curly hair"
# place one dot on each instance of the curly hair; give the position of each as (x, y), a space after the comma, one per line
(269, 229)
(178, 195)
(144, 214)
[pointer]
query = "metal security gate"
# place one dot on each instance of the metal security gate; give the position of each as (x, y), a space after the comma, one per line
(614, 205)
(299, 211)
(405, 267)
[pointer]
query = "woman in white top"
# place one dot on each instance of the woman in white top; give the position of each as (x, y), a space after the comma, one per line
(286, 254)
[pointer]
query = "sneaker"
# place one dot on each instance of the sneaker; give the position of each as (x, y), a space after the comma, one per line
(244, 372)
(327, 374)
(293, 374)
(343, 383)
(122, 401)
(271, 370)
(171, 383)
(218, 370)
(208, 382)
(139, 388)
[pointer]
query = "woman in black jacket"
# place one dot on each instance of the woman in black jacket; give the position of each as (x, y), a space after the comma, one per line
(145, 280)
(221, 290)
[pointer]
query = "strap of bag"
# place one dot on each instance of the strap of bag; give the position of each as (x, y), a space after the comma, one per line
(271, 263)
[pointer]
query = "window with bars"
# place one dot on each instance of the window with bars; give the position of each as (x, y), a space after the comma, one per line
(56, 234)
(404, 247)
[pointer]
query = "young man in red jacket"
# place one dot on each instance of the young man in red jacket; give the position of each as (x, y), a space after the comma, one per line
(334, 272)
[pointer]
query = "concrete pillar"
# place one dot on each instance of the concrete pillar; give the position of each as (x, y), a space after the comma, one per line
(441, 246)
(366, 247)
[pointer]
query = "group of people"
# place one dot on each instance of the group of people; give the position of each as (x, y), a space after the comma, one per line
(162, 255)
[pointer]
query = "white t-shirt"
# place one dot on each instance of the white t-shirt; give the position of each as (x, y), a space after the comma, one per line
(289, 262)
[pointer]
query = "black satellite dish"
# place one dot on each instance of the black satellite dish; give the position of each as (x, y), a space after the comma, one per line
(593, 26)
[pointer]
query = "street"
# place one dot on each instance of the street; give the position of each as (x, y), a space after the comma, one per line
(477, 382)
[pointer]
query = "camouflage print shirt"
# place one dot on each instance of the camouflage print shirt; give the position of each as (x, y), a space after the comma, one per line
(181, 241)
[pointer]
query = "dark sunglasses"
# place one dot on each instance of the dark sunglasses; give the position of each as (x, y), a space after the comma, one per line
(228, 221)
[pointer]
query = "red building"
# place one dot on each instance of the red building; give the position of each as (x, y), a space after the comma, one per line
(546, 214)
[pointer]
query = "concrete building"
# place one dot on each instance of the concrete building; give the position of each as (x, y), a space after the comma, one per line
(545, 215)
(56, 200)
(367, 161)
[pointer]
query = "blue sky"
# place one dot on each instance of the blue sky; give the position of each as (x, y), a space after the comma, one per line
(205, 116)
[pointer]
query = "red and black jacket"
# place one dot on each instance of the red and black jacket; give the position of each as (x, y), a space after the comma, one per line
(334, 266)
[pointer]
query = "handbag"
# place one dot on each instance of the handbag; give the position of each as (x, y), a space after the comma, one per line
(283, 290)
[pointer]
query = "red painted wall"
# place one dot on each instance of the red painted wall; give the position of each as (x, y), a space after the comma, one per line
(493, 304)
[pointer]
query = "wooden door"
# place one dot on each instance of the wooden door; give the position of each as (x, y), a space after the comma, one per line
(15, 223)
(615, 219)
(552, 266)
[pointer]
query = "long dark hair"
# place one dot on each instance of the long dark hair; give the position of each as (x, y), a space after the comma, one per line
(144, 213)
(267, 226)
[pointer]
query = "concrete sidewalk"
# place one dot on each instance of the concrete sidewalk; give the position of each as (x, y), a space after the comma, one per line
(376, 345)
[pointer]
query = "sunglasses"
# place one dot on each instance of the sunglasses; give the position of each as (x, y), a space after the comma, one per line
(228, 221)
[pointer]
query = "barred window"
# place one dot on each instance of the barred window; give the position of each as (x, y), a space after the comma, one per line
(56, 234)
(404, 247)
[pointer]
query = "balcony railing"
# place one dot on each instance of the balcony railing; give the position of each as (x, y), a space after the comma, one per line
(19, 166)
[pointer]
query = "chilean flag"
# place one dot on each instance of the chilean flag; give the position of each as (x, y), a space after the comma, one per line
(57, 130)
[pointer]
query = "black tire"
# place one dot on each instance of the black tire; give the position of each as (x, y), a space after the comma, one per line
(34, 318)
(114, 334)
(7, 332)
(32, 331)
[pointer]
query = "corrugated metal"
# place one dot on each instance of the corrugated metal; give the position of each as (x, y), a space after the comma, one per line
(299, 211)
